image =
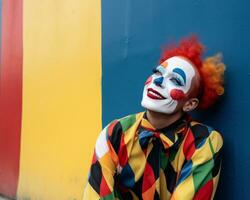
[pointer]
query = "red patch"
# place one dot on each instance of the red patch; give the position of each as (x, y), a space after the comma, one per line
(148, 178)
(177, 94)
(205, 193)
(148, 80)
(122, 154)
(189, 147)
(11, 80)
(104, 188)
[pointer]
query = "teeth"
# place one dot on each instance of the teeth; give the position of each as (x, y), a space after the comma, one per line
(155, 94)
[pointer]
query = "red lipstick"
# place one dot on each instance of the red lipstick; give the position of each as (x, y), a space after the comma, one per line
(153, 94)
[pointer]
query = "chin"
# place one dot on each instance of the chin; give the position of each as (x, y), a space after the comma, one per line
(156, 108)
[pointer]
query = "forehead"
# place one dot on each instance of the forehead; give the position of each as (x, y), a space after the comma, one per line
(179, 63)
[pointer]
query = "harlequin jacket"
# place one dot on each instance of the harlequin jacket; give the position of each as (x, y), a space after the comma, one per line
(134, 160)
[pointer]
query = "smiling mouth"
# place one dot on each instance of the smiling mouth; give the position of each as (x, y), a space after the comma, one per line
(153, 94)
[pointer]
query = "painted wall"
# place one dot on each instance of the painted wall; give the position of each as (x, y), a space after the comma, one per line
(52, 96)
(132, 35)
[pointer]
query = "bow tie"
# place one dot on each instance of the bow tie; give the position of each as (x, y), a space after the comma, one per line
(147, 136)
(167, 136)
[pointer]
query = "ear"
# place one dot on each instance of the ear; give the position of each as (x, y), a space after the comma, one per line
(190, 105)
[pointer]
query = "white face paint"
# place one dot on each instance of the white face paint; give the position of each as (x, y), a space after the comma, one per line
(169, 84)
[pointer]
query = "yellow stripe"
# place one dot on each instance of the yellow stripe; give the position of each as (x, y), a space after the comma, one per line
(184, 190)
(90, 193)
(61, 97)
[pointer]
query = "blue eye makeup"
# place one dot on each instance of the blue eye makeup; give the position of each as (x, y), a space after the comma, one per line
(178, 77)
(180, 72)
(177, 81)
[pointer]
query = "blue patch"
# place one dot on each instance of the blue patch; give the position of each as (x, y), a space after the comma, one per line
(201, 143)
(127, 177)
(210, 129)
(145, 134)
(181, 73)
(143, 138)
(126, 30)
(185, 172)
(158, 81)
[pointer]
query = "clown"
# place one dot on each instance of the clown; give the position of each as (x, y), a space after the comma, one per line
(163, 153)
(169, 85)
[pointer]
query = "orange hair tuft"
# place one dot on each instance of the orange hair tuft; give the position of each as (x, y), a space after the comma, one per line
(212, 72)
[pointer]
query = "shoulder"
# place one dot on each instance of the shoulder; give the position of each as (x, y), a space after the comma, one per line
(112, 134)
(203, 133)
(123, 124)
(115, 130)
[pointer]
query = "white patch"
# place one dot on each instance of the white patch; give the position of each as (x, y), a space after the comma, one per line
(168, 105)
(119, 169)
(101, 146)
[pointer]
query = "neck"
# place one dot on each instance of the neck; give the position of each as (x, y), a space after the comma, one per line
(161, 120)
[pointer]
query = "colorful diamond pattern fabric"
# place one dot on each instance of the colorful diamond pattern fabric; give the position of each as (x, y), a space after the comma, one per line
(133, 160)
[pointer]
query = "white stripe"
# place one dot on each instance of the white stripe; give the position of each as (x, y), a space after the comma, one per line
(101, 146)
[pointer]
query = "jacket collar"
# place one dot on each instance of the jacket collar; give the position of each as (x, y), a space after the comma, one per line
(170, 135)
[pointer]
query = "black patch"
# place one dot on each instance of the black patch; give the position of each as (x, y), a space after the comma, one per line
(138, 188)
(156, 195)
(170, 130)
(115, 137)
(154, 156)
(123, 192)
(184, 163)
(171, 177)
(217, 163)
(200, 132)
(95, 176)
(170, 133)
(177, 144)
(127, 196)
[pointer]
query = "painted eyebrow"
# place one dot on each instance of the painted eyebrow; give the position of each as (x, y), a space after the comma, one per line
(181, 73)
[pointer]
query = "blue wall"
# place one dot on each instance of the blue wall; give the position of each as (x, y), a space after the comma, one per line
(132, 35)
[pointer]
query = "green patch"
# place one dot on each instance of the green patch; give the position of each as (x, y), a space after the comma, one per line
(117, 194)
(211, 146)
(202, 174)
(108, 197)
(172, 155)
(164, 161)
(127, 122)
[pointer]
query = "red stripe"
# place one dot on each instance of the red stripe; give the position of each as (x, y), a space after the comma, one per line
(148, 178)
(104, 188)
(205, 193)
(189, 146)
(123, 154)
(10, 96)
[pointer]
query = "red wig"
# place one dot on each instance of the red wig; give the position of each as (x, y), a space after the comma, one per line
(211, 70)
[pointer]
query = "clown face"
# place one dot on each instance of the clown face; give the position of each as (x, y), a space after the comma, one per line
(169, 85)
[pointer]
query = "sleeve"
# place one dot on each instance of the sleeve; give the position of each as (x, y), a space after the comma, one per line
(199, 175)
(100, 183)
